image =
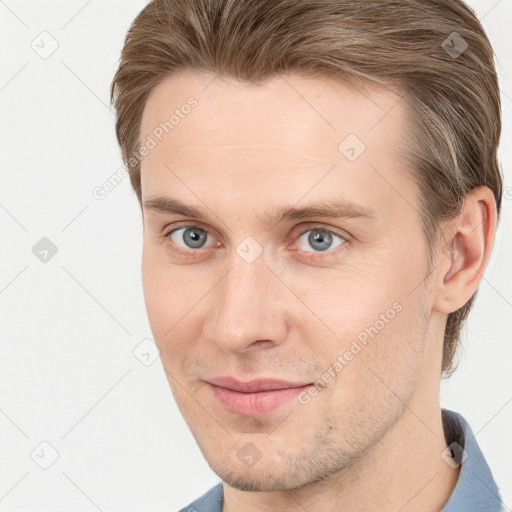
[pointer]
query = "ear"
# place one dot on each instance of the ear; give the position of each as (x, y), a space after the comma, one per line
(465, 250)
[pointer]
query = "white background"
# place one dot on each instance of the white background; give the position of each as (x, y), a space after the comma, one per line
(69, 326)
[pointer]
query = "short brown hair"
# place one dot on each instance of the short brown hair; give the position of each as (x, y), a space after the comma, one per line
(435, 52)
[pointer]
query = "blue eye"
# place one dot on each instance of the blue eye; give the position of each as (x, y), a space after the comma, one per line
(190, 239)
(320, 239)
(192, 236)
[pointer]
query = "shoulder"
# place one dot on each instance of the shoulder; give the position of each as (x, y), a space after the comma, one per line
(210, 501)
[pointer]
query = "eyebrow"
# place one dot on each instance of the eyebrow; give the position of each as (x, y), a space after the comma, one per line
(325, 208)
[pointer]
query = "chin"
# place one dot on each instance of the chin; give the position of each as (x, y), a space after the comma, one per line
(287, 473)
(250, 481)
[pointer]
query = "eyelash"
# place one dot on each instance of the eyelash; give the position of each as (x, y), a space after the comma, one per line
(309, 254)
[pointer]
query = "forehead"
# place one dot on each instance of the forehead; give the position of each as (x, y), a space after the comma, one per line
(282, 134)
(324, 103)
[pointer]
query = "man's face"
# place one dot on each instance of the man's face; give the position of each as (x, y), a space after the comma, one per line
(241, 293)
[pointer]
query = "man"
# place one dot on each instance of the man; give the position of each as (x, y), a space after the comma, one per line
(320, 192)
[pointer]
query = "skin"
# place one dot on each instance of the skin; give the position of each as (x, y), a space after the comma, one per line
(373, 435)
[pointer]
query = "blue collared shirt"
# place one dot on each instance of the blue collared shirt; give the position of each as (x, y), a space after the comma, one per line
(475, 491)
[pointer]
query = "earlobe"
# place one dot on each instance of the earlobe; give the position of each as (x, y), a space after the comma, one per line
(465, 255)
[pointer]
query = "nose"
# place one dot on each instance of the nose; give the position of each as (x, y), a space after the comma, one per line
(249, 309)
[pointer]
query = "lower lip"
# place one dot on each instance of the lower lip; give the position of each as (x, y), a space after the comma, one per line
(251, 404)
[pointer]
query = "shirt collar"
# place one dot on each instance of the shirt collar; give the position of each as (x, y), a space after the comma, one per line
(475, 489)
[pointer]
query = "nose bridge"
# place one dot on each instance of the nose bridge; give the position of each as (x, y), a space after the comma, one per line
(246, 308)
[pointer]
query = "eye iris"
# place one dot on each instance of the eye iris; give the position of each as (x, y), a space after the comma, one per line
(323, 237)
(194, 237)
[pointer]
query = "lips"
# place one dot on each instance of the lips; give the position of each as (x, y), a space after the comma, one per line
(255, 397)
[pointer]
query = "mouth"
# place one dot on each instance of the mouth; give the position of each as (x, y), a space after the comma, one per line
(255, 397)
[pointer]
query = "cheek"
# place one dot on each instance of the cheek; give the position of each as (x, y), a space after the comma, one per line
(389, 340)
(347, 301)
(377, 376)
(164, 298)
(369, 313)
(155, 291)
